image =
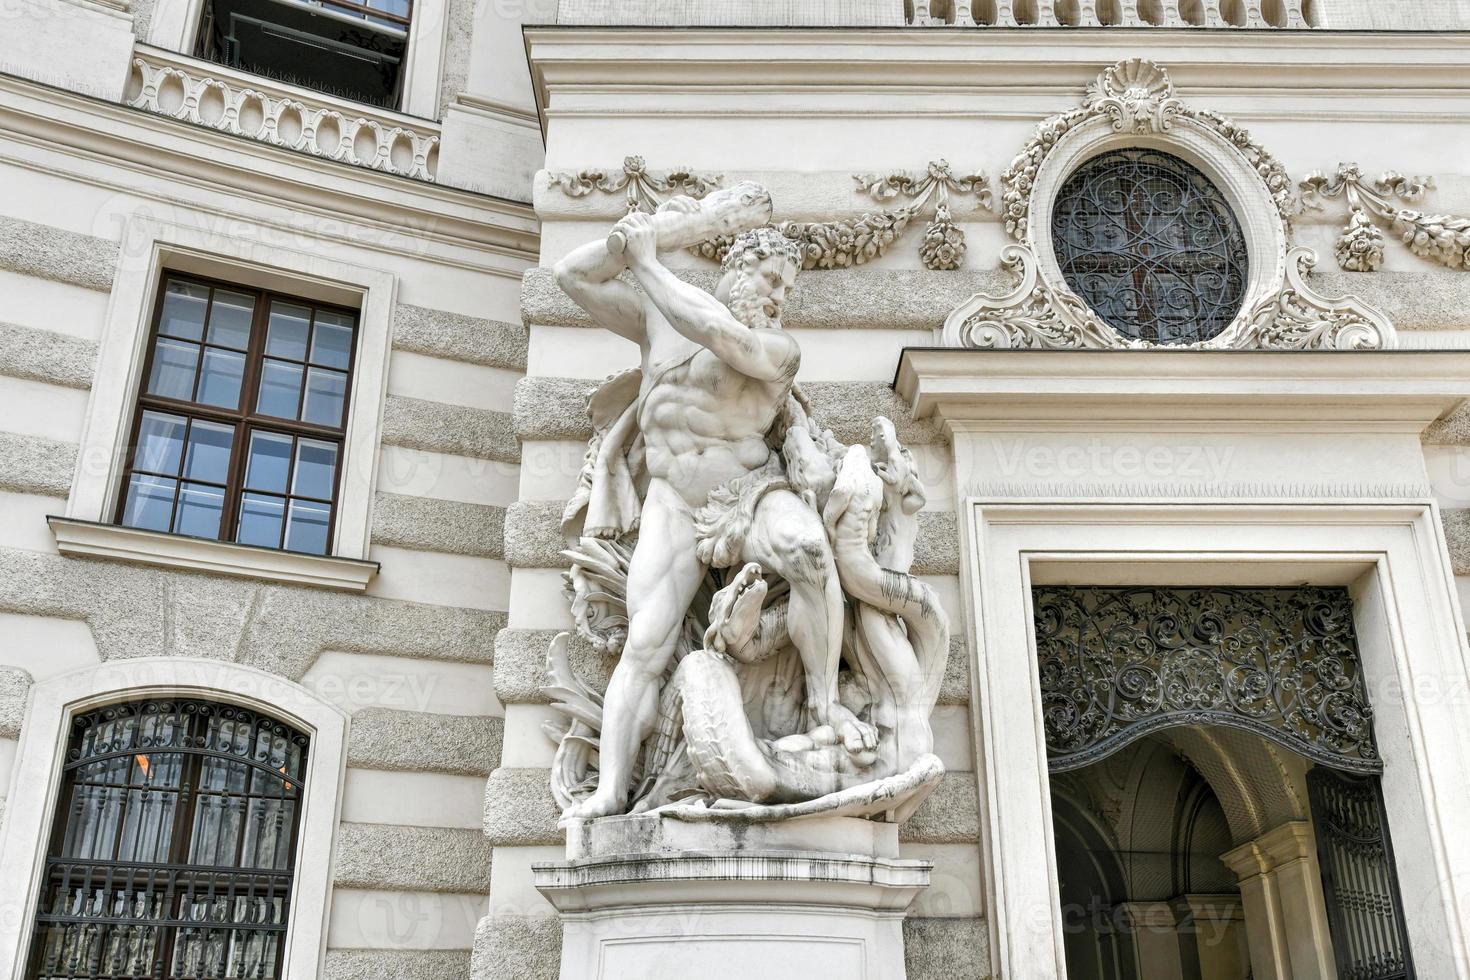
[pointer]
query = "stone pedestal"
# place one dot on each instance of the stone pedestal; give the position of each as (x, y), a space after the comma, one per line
(663, 899)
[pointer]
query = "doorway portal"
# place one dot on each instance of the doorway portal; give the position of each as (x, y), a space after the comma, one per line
(1215, 796)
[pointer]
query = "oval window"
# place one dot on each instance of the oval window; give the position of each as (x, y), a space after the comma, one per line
(1151, 245)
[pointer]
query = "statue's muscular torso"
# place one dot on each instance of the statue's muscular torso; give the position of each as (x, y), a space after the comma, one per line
(703, 422)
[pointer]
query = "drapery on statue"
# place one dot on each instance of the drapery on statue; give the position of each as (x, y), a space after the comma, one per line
(776, 656)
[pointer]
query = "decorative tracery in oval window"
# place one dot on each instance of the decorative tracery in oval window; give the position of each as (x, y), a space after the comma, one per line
(1151, 245)
(175, 844)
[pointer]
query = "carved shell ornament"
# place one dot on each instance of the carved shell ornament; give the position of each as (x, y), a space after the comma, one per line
(1042, 311)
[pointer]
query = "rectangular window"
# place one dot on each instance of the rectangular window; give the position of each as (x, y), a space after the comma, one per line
(241, 417)
(350, 48)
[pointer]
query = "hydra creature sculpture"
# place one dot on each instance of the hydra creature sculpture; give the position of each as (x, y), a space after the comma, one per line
(751, 572)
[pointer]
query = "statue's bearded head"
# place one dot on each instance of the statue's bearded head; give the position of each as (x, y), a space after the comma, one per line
(759, 267)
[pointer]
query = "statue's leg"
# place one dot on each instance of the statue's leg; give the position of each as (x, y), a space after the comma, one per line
(788, 538)
(663, 576)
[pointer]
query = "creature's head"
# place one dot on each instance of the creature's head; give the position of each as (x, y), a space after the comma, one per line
(895, 466)
(759, 267)
(735, 612)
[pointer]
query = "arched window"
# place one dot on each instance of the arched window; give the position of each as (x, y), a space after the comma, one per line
(174, 844)
(1151, 245)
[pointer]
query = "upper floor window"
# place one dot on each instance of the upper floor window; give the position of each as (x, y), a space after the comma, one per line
(355, 49)
(241, 417)
(1151, 245)
(174, 846)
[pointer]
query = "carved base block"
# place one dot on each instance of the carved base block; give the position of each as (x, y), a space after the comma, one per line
(653, 897)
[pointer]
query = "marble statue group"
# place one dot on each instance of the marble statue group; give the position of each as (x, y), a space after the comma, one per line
(775, 658)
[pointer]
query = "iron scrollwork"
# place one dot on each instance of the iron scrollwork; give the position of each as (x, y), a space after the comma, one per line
(1152, 246)
(1119, 663)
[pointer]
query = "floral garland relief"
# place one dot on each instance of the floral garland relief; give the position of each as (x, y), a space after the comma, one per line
(823, 244)
(1444, 238)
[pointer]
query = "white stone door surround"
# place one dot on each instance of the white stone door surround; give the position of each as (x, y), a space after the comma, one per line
(1323, 484)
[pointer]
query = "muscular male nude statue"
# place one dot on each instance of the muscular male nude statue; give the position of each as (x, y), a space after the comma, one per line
(714, 380)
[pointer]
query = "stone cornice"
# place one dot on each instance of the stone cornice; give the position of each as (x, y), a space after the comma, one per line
(1400, 391)
(94, 129)
(1312, 75)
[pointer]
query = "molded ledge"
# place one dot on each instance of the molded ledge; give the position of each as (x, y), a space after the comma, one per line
(93, 540)
(1350, 390)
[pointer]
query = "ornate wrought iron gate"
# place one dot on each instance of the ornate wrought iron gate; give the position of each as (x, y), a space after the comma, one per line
(1364, 909)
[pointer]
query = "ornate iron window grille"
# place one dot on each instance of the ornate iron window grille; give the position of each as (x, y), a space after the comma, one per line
(1118, 663)
(1152, 246)
(1365, 910)
(174, 849)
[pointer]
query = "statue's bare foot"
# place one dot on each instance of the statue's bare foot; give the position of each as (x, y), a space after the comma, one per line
(859, 738)
(599, 804)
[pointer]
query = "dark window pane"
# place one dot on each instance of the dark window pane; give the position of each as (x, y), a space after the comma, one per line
(200, 506)
(326, 392)
(331, 343)
(270, 462)
(150, 502)
(160, 443)
(286, 336)
(229, 319)
(316, 469)
(209, 452)
(174, 363)
(184, 304)
(308, 528)
(260, 520)
(280, 389)
(220, 382)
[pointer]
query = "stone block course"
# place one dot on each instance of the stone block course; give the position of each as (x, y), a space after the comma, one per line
(57, 254)
(533, 537)
(416, 741)
(430, 524)
(32, 464)
(15, 686)
(397, 964)
(43, 355)
(413, 423)
(520, 810)
(520, 664)
(950, 814)
(438, 333)
(946, 949)
(1451, 430)
(517, 947)
(135, 611)
(831, 299)
(433, 859)
(1457, 536)
(553, 408)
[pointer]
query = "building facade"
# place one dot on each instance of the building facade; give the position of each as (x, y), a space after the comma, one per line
(311, 400)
